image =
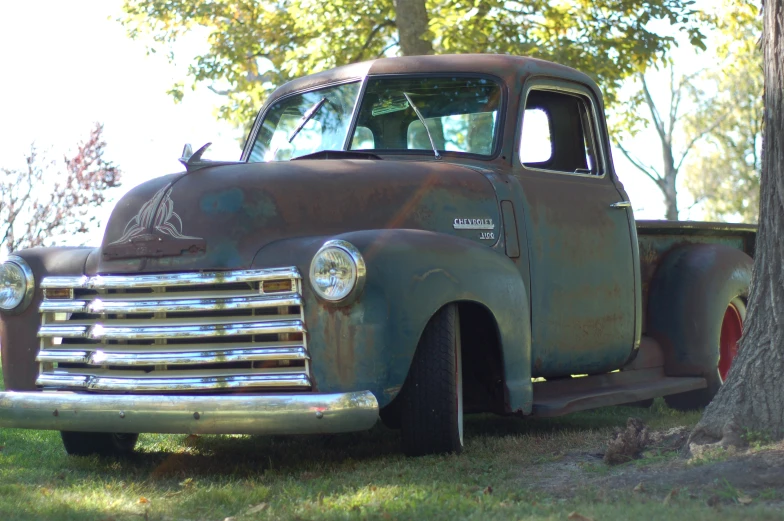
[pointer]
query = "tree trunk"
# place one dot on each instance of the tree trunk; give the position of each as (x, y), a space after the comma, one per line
(668, 186)
(670, 195)
(412, 22)
(752, 398)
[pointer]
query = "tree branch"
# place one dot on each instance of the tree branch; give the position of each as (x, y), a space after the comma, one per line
(657, 121)
(369, 39)
(642, 168)
(696, 138)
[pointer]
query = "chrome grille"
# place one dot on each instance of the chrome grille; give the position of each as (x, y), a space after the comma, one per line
(174, 332)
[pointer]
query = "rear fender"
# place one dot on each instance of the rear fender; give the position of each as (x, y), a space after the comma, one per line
(370, 343)
(688, 296)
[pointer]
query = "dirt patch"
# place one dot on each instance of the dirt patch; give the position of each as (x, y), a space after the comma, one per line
(719, 476)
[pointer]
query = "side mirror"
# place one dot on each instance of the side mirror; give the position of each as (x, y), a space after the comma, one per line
(187, 152)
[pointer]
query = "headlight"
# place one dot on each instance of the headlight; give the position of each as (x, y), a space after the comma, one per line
(337, 271)
(16, 284)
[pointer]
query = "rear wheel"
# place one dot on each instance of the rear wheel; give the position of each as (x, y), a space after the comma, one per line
(731, 331)
(99, 443)
(432, 399)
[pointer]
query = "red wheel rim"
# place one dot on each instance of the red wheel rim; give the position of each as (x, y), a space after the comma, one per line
(731, 330)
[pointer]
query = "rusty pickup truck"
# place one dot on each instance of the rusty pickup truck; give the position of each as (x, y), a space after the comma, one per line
(406, 239)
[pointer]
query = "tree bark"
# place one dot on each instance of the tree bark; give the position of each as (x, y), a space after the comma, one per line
(668, 186)
(412, 23)
(752, 398)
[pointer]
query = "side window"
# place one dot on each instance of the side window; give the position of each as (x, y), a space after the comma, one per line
(558, 134)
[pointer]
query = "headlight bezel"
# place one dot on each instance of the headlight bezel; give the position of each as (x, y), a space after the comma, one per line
(29, 289)
(360, 271)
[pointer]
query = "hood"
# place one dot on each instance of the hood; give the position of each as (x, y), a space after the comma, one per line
(220, 217)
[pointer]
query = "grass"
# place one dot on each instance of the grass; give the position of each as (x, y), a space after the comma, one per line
(353, 476)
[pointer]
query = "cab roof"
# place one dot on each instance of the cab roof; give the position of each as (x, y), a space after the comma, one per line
(508, 68)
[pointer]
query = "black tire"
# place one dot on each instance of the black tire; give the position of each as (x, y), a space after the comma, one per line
(391, 415)
(98, 443)
(432, 397)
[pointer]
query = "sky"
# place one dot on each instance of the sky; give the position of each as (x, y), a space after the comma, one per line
(67, 65)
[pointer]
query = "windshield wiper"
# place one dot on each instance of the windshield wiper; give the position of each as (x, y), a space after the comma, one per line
(307, 116)
(419, 115)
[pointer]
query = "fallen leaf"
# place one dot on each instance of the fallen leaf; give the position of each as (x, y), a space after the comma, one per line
(143, 500)
(487, 491)
(744, 500)
(639, 487)
(668, 498)
(257, 508)
(576, 516)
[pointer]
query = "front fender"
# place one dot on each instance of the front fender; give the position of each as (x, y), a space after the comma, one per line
(370, 343)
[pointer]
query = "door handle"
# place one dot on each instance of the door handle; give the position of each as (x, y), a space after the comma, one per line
(621, 204)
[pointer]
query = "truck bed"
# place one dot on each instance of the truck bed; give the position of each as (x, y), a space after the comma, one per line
(657, 238)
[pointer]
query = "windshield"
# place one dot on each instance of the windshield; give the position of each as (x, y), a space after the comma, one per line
(326, 114)
(461, 114)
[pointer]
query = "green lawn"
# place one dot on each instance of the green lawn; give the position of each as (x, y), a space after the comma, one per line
(355, 476)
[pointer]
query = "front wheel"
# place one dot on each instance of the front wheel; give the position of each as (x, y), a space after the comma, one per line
(432, 400)
(99, 443)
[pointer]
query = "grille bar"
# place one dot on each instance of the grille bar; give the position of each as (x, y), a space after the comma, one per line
(203, 383)
(169, 279)
(169, 304)
(100, 358)
(110, 332)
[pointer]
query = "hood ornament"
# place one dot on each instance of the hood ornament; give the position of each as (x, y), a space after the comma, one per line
(192, 161)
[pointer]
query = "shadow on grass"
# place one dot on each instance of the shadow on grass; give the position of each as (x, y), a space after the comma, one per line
(248, 456)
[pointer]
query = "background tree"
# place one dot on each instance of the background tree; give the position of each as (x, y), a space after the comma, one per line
(724, 176)
(255, 46)
(46, 199)
(678, 132)
(752, 397)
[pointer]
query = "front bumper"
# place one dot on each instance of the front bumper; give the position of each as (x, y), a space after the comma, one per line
(205, 414)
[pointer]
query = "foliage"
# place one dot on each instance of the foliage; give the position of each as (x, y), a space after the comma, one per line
(725, 176)
(711, 125)
(30, 214)
(255, 46)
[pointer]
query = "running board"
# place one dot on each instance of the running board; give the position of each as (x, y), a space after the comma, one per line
(567, 395)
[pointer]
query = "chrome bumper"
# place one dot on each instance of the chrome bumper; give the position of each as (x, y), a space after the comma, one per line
(210, 414)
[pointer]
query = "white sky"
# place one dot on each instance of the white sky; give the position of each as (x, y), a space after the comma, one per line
(66, 65)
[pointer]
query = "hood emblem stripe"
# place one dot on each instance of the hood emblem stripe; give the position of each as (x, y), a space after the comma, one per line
(156, 215)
